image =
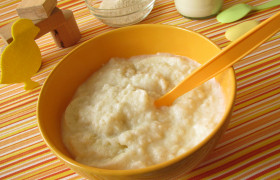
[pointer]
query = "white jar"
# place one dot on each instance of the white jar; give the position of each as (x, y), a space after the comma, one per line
(198, 9)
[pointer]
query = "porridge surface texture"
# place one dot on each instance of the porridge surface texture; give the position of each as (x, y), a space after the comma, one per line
(112, 122)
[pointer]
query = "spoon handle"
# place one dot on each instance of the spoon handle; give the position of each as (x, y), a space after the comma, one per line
(267, 5)
(225, 59)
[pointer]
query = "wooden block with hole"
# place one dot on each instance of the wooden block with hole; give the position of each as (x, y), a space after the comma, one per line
(36, 9)
(54, 21)
(61, 24)
(68, 33)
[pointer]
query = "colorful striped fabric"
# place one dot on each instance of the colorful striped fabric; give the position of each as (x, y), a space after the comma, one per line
(250, 148)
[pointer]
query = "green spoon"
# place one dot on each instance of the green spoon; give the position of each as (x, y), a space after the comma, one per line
(238, 11)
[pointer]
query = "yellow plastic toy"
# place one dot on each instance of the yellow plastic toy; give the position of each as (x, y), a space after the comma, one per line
(21, 59)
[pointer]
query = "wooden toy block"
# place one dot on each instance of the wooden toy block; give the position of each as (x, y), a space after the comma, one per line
(5, 33)
(36, 9)
(46, 25)
(61, 24)
(68, 33)
(55, 20)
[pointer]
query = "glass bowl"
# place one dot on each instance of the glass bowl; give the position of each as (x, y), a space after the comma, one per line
(115, 14)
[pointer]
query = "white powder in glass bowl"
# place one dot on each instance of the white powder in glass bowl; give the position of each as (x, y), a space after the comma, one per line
(116, 4)
(112, 122)
(117, 13)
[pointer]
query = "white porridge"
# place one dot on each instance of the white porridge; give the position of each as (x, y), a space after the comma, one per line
(112, 122)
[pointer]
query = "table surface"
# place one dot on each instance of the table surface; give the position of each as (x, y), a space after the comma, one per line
(248, 150)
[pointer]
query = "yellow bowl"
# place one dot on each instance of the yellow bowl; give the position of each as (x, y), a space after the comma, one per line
(125, 42)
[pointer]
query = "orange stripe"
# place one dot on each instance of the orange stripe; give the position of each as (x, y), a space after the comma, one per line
(257, 58)
(235, 171)
(260, 100)
(256, 87)
(260, 66)
(274, 113)
(236, 160)
(12, 101)
(3, 95)
(259, 168)
(24, 159)
(260, 80)
(10, 118)
(237, 143)
(19, 119)
(67, 175)
(68, 4)
(241, 134)
(10, 3)
(24, 169)
(264, 172)
(232, 148)
(13, 137)
(16, 105)
(22, 154)
(254, 92)
(55, 173)
(269, 49)
(21, 144)
(48, 172)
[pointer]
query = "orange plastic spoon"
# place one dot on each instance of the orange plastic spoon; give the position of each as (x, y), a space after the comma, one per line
(225, 59)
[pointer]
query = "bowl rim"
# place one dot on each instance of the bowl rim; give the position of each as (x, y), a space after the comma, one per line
(147, 169)
(146, 3)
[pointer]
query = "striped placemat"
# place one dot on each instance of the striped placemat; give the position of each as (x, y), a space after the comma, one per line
(250, 148)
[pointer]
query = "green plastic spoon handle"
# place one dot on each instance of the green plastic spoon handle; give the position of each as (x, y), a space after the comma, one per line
(267, 5)
(225, 59)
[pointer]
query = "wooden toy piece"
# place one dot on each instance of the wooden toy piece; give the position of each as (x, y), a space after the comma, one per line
(68, 33)
(21, 59)
(55, 20)
(5, 33)
(36, 9)
(46, 25)
(61, 23)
